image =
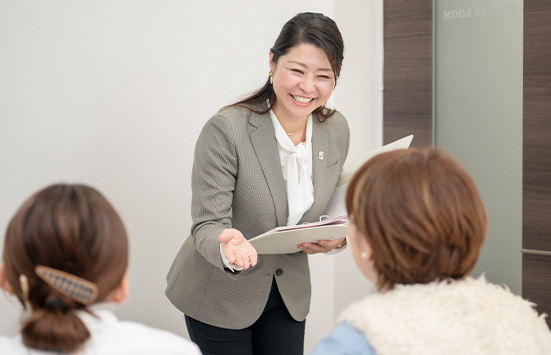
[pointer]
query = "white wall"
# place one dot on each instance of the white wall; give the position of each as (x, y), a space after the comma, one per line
(114, 94)
(360, 99)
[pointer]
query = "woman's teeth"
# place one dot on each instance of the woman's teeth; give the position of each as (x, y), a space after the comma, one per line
(302, 99)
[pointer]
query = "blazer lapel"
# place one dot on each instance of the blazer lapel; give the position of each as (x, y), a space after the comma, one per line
(319, 167)
(265, 146)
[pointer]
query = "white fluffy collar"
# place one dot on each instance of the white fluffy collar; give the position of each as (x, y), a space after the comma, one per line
(470, 316)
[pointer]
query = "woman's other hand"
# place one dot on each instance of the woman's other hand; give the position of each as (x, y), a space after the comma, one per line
(322, 246)
(237, 249)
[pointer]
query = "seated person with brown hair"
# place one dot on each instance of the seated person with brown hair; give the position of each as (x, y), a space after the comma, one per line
(417, 224)
(65, 252)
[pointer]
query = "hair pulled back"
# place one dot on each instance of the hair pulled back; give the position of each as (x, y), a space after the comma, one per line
(421, 214)
(72, 228)
(308, 28)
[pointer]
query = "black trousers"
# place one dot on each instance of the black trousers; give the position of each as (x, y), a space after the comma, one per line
(274, 333)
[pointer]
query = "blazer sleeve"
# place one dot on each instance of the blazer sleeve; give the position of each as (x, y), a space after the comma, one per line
(214, 174)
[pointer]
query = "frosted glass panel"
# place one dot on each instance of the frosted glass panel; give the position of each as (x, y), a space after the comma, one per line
(478, 116)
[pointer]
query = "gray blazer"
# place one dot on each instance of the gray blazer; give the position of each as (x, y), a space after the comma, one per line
(237, 182)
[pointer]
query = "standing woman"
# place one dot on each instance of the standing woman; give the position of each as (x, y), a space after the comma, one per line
(272, 159)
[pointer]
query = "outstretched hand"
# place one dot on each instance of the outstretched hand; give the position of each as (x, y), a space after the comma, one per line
(237, 249)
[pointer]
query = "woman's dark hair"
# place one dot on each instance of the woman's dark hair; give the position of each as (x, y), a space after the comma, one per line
(421, 214)
(309, 28)
(74, 229)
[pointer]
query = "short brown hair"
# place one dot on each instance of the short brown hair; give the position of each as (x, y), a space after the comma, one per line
(72, 228)
(421, 214)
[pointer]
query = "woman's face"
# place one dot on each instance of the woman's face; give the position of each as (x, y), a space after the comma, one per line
(303, 80)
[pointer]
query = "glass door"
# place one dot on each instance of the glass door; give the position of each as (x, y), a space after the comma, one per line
(478, 52)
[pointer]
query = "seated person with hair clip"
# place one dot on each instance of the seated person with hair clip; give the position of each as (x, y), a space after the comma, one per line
(65, 252)
(417, 224)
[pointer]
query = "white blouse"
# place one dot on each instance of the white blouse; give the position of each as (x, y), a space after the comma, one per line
(296, 164)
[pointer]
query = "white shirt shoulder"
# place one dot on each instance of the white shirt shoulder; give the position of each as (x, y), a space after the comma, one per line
(111, 336)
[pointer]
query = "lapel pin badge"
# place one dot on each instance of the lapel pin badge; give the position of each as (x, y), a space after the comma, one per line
(320, 155)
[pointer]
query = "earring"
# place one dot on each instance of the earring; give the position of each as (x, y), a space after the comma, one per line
(363, 255)
(271, 80)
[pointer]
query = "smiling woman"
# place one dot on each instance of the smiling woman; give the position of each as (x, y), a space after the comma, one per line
(270, 160)
(302, 80)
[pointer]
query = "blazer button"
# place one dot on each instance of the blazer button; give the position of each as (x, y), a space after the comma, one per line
(279, 272)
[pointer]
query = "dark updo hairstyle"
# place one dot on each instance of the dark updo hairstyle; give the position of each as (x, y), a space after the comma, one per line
(74, 229)
(421, 214)
(309, 28)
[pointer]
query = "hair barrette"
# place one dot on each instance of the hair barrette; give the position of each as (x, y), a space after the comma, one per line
(70, 285)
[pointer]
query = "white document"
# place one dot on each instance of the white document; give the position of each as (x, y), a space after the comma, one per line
(337, 205)
(284, 240)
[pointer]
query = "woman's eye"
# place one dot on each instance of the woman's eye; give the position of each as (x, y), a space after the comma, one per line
(297, 71)
(324, 77)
